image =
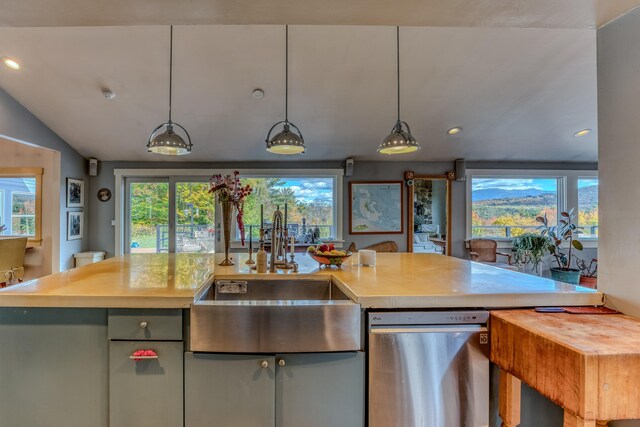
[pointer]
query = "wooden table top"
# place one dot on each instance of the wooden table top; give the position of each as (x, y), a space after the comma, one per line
(588, 364)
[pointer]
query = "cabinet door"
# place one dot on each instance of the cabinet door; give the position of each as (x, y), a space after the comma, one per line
(147, 392)
(320, 390)
(229, 390)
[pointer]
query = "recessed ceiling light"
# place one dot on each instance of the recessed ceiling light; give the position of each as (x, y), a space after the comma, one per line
(10, 63)
(582, 132)
(454, 131)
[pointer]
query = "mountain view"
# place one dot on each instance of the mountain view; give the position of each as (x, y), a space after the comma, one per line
(509, 207)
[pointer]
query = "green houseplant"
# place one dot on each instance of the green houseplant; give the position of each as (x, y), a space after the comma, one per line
(530, 248)
(565, 231)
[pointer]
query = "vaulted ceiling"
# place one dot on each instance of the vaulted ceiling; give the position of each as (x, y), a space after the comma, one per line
(519, 94)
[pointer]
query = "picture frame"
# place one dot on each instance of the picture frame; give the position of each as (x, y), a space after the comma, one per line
(75, 225)
(75, 193)
(376, 207)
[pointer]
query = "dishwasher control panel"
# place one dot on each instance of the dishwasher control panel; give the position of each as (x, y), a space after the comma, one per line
(462, 317)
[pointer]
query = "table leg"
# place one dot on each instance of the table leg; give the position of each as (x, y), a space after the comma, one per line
(571, 420)
(509, 399)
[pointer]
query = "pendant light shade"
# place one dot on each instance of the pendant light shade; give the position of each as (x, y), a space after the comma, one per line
(400, 140)
(164, 139)
(289, 140)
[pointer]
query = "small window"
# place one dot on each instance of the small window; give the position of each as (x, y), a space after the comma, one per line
(311, 203)
(20, 202)
(588, 207)
(505, 207)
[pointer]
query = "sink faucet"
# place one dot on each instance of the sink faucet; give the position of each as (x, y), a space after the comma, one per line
(279, 244)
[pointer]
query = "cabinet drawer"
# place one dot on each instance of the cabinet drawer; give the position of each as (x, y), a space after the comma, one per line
(152, 324)
(146, 392)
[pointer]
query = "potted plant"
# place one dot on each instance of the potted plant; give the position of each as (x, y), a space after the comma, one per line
(530, 248)
(588, 273)
(565, 231)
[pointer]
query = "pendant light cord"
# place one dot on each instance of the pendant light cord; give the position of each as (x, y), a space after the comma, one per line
(170, 71)
(286, 74)
(398, 66)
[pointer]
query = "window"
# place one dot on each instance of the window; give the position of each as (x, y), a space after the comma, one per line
(502, 204)
(20, 202)
(507, 207)
(171, 210)
(169, 215)
(588, 207)
(310, 203)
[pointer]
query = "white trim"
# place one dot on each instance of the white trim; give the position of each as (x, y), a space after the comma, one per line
(567, 194)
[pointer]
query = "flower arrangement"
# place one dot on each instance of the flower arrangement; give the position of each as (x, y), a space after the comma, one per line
(228, 188)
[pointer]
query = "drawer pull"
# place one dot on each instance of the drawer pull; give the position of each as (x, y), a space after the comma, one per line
(264, 364)
(144, 324)
(139, 355)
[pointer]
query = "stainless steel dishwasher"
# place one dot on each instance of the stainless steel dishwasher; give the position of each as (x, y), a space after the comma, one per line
(429, 369)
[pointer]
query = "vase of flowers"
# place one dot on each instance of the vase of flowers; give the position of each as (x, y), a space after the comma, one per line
(230, 193)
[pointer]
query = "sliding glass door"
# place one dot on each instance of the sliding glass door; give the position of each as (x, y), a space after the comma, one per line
(172, 214)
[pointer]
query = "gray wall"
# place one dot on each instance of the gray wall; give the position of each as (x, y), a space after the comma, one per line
(619, 154)
(101, 232)
(16, 122)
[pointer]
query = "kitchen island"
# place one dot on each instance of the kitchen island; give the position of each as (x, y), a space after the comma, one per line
(69, 340)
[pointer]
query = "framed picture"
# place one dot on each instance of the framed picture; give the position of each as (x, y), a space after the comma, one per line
(376, 207)
(75, 193)
(75, 225)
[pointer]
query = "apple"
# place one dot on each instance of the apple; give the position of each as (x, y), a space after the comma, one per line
(331, 246)
(323, 248)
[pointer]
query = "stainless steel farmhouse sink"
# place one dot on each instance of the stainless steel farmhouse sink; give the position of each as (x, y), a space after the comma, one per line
(274, 316)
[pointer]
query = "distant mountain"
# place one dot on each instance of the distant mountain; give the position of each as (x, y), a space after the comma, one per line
(588, 196)
(500, 193)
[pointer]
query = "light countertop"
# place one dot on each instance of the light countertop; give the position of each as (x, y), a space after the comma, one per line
(399, 280)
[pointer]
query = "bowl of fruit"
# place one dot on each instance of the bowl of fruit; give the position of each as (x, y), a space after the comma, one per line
(327, 254)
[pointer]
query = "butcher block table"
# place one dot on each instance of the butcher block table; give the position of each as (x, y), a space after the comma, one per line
(588, 364)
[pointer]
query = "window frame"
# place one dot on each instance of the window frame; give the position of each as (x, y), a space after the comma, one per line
(124, 176)
(567, 193)
(36, 173)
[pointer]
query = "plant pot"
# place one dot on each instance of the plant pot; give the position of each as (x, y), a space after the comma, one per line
(571, 276)
(589, 282)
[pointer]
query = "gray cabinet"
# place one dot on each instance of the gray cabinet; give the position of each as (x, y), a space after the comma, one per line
(227, 390)
(146, 392)
(320, 390)
(289, 390)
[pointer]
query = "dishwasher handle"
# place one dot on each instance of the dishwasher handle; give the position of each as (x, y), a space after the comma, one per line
(425, 329)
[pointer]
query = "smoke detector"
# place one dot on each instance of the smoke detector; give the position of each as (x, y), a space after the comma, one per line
(108, 93)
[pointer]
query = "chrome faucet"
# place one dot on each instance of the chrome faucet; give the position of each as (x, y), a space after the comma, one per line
(279, 244)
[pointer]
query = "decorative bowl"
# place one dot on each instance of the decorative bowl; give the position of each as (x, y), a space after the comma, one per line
(336, 260)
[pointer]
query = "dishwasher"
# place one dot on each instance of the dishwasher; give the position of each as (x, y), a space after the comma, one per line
(428, 369)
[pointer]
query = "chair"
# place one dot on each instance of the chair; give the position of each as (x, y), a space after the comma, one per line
(423, 243)
(387, 246)
(12, 260)
(486, 251)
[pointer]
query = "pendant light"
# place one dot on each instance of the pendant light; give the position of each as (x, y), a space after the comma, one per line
(289, 140)
(400, 140)
(169, 143)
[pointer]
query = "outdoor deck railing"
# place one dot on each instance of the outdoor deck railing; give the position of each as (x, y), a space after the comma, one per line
(508, 230)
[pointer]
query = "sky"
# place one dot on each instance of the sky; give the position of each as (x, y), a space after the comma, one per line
(543, 184)
(309, 189)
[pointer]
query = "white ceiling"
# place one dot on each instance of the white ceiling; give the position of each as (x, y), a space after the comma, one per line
(519, 94)
(441, 13)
